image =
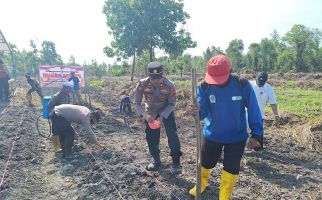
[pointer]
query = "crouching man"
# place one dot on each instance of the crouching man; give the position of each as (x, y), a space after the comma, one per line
(61, 118)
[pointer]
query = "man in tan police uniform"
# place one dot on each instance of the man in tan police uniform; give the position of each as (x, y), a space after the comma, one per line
(160, 97)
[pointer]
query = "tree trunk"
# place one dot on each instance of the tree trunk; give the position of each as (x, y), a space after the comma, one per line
(133, 65)
(151, 54)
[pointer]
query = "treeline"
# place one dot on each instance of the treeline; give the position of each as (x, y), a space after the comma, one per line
(141, 27)
(299, 50)
(30, 60)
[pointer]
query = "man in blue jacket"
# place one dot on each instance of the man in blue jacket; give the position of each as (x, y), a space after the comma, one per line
(222, 99)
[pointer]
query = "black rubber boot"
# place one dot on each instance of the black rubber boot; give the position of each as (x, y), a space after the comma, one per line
(68, 154)
(176, 166)
(63, 155)
(154, 166)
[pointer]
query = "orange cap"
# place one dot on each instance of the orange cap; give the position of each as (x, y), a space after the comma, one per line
(218, 70)
(155, 124)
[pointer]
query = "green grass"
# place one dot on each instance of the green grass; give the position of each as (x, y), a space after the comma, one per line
(182, 83)
(305, 103)
(117, 71)
(96, 83)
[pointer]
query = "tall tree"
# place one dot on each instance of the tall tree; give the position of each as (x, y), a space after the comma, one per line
(72, 61)
(235, 52)
(268, 55)
(35, 57)
(253, 56)
(212, 51)
(145, 25)
(49, 54)
(299, 38)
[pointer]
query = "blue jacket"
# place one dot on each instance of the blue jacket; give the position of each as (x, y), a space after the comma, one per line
(223, 110)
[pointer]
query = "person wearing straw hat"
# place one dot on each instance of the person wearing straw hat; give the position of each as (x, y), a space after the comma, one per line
(221, 101)
(160, 97)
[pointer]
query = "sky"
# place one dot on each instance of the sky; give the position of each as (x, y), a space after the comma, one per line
(78, 27)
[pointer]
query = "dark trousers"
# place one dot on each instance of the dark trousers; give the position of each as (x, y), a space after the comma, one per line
(153, 138)
(1, 90)
(38, 90)
(4, 89)
(63, 128)
(233, 153)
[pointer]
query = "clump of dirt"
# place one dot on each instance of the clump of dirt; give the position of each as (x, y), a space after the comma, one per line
(184, 94)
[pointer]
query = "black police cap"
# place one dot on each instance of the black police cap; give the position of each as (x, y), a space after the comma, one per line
(155, 68)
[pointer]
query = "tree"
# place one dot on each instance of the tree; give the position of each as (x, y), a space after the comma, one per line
(145, 25)
(177, 65)
(268, 55)
(212, 51)
(96, 69)
(235, 52)
(35, 57)
(315, 53)
(299, 38)
(49, 54)
(72, 61)
(253, 56)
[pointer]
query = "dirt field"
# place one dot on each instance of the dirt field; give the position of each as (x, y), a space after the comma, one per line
(284, 170)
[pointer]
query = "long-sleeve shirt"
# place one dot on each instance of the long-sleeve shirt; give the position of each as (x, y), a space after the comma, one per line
(78, 114)
(34, 84)
(159, 100)
(223, 111)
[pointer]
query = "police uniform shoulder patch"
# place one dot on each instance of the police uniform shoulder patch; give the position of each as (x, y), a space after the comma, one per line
(144, 79)
(168, 83)
(143, 82)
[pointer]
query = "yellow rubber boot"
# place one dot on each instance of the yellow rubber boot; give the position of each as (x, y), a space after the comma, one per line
(228, 182)
(205, 174)
(56, 143)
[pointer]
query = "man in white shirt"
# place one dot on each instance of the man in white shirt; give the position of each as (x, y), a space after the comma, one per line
(265, 94)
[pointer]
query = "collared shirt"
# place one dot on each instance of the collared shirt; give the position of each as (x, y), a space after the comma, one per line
(264, 95)
(78, 114)
(158, 100)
